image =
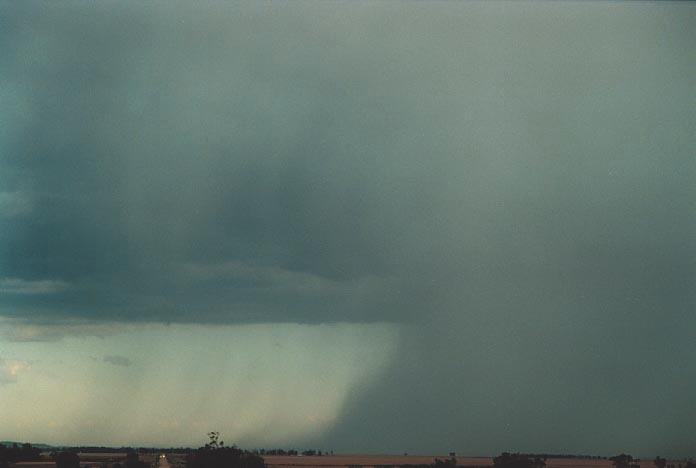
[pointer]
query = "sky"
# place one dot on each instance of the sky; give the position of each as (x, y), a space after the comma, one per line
(376, 227)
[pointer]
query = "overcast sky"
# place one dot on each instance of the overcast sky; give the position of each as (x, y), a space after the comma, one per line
(359, 226)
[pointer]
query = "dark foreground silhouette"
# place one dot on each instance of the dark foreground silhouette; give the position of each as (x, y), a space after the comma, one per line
(216, 455)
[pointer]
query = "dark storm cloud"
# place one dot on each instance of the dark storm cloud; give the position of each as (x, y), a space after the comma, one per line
(514, 183)
(134, 179)
(159, 146)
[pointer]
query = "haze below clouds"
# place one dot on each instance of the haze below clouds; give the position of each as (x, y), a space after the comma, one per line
(474, 223)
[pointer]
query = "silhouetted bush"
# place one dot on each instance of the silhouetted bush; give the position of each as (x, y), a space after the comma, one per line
(278, 451)
(67, 460)
(216, 455)
(517, 460)
(16, 453)
(624, 461)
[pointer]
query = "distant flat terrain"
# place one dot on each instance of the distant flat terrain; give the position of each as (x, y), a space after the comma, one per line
(89, 460)
(281, 461)
(94, 460)
(366, 460)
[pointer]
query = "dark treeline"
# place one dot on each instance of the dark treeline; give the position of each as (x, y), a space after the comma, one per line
(564, 455)
(627, 461)
(93, 449)
(16, 453)
(518, 460)
(71, 459)
(143, 450)
(290, 452)
(187, 450)
(438, 463)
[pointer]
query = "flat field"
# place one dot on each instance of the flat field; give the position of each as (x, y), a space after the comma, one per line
(88, 460)
(95, 460)
(366, 461)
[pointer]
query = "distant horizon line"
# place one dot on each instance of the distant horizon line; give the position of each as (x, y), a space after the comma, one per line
(324, 452)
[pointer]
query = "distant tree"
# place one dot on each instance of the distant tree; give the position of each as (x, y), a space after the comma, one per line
(215, 442)
(215, 455)
(660, 462)
(67, 460)
(622, 461)
(517, 460)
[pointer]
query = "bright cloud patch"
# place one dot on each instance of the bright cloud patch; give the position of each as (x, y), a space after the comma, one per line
(10, 369)
(260, 385)
(15, 331)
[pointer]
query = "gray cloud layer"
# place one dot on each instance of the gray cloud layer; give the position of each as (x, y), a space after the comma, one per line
(118, 360)
(515, 183)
